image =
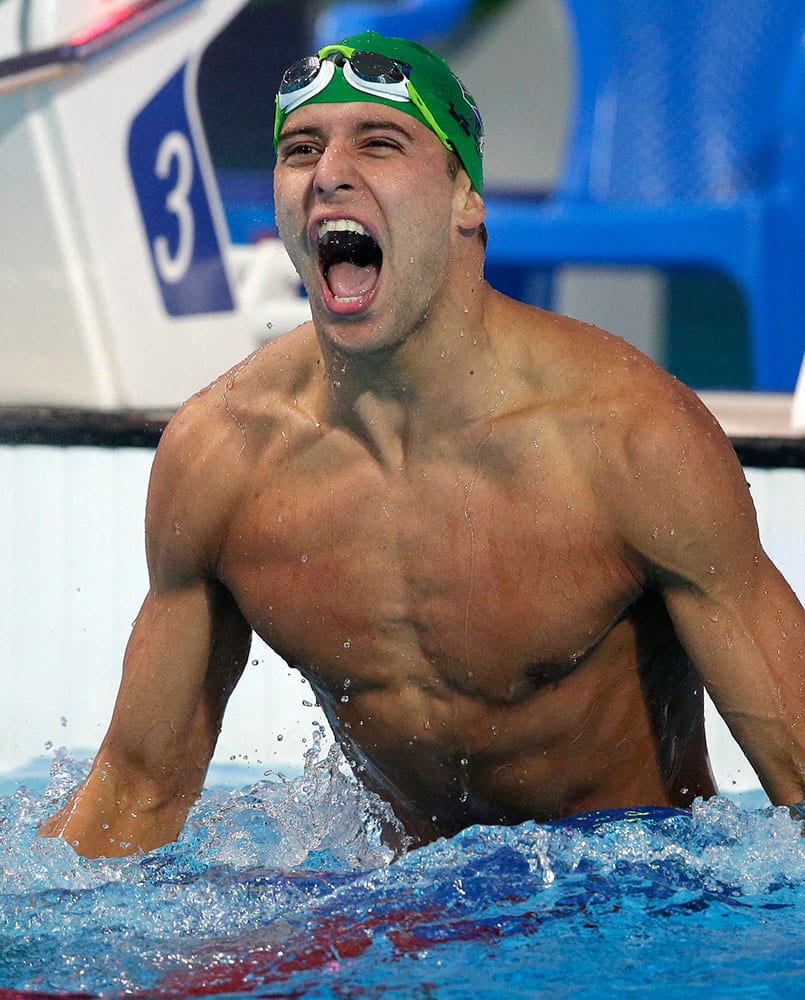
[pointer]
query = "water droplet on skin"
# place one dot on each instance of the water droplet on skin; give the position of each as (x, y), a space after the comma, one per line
(345, 698)
(348, 644)
(655, 533)
(711, 570)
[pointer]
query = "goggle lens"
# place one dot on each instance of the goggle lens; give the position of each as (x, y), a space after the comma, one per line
(300, 74)
(374, 68)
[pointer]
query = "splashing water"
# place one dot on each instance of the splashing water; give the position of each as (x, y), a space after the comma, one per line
(284, 889)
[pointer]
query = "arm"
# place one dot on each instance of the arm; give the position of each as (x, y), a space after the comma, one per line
(690, 519)
(747, 643)
(185, 654)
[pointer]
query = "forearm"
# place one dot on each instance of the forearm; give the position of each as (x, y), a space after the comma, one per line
(106, 818)
(750, 654)
(777, 755)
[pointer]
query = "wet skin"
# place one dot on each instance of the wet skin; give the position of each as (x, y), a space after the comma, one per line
(481, 639)
(507, 550)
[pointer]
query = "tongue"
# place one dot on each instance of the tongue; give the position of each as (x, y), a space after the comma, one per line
(349, 281)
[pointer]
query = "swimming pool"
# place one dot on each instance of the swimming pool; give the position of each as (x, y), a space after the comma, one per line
(282, 888)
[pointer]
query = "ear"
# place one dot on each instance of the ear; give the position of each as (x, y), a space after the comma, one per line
(469, 210)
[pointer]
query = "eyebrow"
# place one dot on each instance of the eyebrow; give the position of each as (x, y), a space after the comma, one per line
(369, 125)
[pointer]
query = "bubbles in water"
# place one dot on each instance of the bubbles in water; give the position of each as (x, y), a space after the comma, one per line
(284, 887)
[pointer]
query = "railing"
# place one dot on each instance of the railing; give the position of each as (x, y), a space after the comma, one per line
(94, 39)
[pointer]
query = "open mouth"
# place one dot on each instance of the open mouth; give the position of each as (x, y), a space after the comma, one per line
(350, 261)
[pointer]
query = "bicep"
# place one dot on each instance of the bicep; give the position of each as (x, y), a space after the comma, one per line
(186, 652)
(689, 523)
(190, 642)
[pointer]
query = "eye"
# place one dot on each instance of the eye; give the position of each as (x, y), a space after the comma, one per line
(382, 144)
(300, 150)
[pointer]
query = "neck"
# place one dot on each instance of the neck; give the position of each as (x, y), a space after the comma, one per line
(440, 376)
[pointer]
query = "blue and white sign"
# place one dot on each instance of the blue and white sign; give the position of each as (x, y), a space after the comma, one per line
(166, 168)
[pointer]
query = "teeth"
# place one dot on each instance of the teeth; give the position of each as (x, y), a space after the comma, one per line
(341, 226)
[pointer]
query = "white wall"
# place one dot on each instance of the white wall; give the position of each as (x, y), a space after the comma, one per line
(71, 539)
(71, 526)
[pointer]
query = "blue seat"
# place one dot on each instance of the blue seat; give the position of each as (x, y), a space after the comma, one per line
(687, 150)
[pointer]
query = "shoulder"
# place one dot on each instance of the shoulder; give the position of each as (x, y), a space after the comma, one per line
(212, 448)
(656, 462)
(665, 471)
(244, 407)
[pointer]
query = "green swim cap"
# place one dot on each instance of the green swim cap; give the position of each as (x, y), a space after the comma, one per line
(452, 107)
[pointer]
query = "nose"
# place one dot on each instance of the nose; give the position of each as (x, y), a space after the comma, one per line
(335, 171)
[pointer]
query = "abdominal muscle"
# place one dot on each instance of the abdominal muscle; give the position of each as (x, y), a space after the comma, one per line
(446, 758)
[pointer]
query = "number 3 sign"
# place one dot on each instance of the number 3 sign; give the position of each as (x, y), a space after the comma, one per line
(166, 167)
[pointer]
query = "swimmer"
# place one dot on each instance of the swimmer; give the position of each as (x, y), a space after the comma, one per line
(507, 551)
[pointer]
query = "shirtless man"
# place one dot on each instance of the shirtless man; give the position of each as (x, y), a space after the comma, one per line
(507, 551)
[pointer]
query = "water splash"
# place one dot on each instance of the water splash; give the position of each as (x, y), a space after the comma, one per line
(284, 888)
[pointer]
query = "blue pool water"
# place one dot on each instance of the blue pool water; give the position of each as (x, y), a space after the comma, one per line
(283, 889)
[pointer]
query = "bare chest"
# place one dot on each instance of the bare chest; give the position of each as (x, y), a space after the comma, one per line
(458, 576)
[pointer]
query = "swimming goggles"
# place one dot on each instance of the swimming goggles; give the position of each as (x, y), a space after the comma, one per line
(367, 72)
